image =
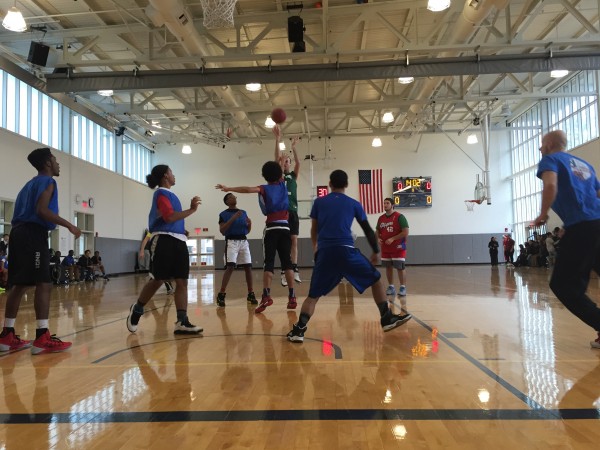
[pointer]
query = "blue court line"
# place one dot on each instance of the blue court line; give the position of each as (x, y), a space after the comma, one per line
(494, 376)
(337, 351)
(302, 414)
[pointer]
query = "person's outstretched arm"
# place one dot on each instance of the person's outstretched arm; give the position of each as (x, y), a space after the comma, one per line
(239, 189)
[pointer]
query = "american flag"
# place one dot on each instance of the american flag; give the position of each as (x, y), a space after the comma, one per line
(370, 190)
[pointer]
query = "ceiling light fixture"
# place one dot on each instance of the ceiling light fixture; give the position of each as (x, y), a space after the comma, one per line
(388, 117)
(186, 149)
(472, 139)
(269, 123)
(559, 73)
(438, 5)
(406, 80)
(14, 21)
(253, 87)
(106, 92)
(376, 142)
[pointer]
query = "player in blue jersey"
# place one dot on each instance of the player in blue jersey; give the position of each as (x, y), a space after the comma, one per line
(273, 201)
(35, 213)
(337, 258)
(235, 224)
(572, 190)
(169, 256)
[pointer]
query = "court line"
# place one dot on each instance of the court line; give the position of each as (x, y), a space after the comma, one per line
(336, 348)
(490, 373)
(302, 414)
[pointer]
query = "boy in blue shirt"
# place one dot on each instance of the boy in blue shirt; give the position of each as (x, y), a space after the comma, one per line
(572, 190)
(235, 224)
(337, 258)
(36, 212)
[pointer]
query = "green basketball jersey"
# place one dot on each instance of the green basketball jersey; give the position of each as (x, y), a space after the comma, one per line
(292, 187)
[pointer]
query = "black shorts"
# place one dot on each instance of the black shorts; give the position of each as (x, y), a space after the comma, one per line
(169, 258)
(277, 240)
(294, 223)
(29, 257)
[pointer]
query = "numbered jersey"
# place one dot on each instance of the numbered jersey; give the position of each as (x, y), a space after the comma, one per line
(389, 226)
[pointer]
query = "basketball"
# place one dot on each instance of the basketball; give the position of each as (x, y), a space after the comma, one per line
(278, 115)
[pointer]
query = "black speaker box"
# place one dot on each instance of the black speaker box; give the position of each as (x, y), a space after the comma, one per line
(38, 54)
(295, 29)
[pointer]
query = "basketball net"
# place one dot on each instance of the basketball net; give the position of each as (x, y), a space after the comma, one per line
(471, 204)
(218, 13)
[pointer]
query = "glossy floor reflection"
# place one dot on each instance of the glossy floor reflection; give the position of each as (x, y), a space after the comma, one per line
(490, 360)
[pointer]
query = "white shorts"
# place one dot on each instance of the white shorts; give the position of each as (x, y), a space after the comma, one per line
(237, 252)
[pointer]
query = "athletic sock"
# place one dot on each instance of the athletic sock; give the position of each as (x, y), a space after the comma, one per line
(40, 332)
(291, 293)
(295, 267)
(303, 320)
(181, 315)
(383, 308)
(9, 323)
(138, 307)
(42, 323)
(266, 292)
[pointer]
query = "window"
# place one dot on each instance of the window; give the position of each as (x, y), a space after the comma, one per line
(137, 160)
(86, 241)
(7, 209)
(92, 142)
(202, 252)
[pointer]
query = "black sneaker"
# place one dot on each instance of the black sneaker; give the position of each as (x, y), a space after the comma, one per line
(391, 321)
(297, 334)
(252, 298)
(186, 327)
(133, 319)
(221, 300)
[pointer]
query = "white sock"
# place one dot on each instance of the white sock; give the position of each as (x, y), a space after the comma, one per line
(42, 324)
(9, 323)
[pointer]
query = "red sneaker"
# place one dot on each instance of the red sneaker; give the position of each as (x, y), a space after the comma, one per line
(264, 302)
(47, 343)
(12, 342)
(292, 303)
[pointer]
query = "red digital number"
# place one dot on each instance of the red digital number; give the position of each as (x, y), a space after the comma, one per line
(322, 191)
(428, 185)
(399, 186)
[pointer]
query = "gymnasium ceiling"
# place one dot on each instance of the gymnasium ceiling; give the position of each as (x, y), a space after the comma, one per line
(176, 81)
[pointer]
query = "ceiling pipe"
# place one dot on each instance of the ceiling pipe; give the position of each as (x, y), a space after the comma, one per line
(466, 25)
(179, 21)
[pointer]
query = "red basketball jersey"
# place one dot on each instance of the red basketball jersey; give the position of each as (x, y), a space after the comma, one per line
(389, 226)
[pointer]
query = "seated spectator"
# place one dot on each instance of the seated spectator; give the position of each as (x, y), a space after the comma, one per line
(71, 269)
(86, 268)
(56, 271)
(3, 271)
(4, 245)
(97, 262)
(522, 257)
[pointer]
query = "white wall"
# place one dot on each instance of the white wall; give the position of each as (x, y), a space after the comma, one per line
(453, 178)
(121, 205)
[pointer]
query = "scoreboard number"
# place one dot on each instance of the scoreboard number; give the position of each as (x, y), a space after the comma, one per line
(412, 192)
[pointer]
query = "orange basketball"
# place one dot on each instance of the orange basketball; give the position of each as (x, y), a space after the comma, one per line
(278, 115)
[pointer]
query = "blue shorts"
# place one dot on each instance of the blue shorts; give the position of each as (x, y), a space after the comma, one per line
(334, 263)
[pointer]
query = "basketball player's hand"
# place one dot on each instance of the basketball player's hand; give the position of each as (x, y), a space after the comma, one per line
(75, 231)
(221, 187)
(389, 241)
(195, 203)
(277, 132)
(374, 258)
(540, 220)
(237, 215)
(295, 140)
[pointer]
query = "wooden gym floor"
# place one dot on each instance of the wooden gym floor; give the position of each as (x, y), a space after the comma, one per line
(490, 360)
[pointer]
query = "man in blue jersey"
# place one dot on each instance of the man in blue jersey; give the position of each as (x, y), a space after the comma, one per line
(572, 190)
(337, 258)
(235, 224)
(36, 212)
(273, 201)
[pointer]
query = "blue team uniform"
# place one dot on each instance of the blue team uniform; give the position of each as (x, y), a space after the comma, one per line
(336, 256)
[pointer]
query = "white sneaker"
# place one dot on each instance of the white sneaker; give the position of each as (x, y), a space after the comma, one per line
(402, 291)
(391, 290)
(283, 280)
(187, 328)
(297, 277)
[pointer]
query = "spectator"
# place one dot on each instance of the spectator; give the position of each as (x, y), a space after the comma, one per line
(97, 262)
(493, 247)
(71, 269)
(509, 249)
(86, 267)
(3, 271)
(4, 244)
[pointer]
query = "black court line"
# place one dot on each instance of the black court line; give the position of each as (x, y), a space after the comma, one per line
(494, 376)
(337, 351)
(302, 414)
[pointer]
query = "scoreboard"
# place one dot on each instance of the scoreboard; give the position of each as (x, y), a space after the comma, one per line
(411, 192)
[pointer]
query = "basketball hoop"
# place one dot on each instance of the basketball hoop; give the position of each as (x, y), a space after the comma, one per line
(218, 13)
(470, 204)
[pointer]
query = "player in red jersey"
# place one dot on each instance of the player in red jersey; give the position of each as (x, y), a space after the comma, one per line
(392, 231)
